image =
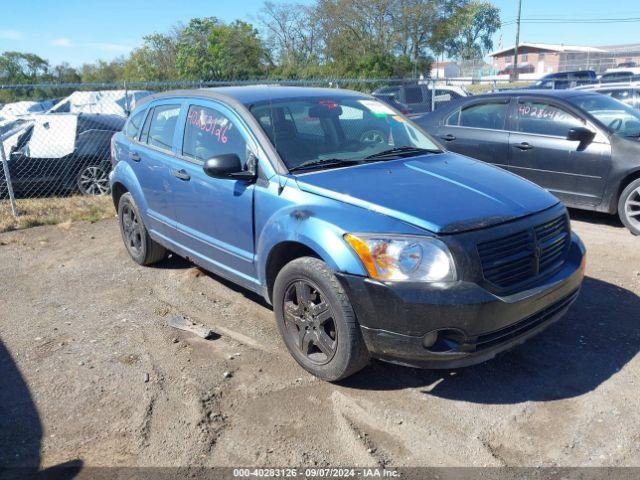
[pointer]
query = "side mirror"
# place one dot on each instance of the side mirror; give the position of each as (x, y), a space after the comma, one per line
(581, 134)
(229, 166)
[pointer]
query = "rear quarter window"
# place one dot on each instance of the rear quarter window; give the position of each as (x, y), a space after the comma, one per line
(163, 125)
(134, 124)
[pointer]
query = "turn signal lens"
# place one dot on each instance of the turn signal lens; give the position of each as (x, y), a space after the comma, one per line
(403, 258)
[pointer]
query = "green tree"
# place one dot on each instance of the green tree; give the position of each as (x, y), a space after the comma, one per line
(469, 34)
(19, 67)
(155, 60)
(208, 49)
(103, 72)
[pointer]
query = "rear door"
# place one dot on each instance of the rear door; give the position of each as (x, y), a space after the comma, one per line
(150, 158)
(478, 130)
(539, 151)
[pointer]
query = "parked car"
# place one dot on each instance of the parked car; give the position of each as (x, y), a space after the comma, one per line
(416, 98)
(58, 153)
(396, 250)
(613, 76)
(564, 80)
(628, 93)
(581, 146)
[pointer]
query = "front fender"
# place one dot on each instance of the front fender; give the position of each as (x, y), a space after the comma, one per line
(324, 238)
(288, 214)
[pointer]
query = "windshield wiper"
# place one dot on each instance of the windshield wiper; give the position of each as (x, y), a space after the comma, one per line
(400, 152)
(323, 163)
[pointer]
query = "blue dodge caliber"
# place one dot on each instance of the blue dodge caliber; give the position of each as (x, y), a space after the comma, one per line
(368, 238)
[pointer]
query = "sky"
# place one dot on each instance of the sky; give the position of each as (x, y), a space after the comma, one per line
(79, 31)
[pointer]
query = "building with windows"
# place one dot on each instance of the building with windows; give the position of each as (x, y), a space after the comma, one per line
(538, 58)
(543, 58)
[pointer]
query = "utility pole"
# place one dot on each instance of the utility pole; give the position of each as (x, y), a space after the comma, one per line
(514, 74)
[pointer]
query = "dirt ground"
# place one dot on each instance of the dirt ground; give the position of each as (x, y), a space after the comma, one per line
(91, 371)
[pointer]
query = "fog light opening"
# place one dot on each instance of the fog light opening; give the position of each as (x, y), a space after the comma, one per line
(443, 341)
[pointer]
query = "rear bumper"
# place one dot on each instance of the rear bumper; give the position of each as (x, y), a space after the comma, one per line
(473, 324)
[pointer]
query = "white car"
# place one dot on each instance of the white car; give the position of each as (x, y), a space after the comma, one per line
(628, 93)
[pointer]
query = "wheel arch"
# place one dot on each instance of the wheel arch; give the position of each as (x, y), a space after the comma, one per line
(117, 190)
(279, 256)
(626, 181)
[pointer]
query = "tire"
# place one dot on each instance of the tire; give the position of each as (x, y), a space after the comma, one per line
(320, 328)
(93, 180)
(141, 247)
(629, 207)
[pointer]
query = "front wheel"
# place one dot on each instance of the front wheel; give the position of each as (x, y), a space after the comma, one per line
(316, 320)
(93, 180)
(629, 207)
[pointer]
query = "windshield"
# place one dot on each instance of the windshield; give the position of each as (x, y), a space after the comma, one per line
(619, 118)
(330, 132)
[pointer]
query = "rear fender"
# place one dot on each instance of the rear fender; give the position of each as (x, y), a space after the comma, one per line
(123, 173)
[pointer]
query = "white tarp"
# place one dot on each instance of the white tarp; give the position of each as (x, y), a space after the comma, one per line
(112, 102)
(17, 109)
(54, 136)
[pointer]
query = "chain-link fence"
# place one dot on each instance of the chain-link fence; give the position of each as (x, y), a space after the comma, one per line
(55, 139)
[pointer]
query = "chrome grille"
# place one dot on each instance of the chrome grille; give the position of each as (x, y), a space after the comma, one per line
(511, 261)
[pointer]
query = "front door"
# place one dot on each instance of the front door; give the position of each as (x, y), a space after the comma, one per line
(478, 131)
(539, 151)
(215, 216)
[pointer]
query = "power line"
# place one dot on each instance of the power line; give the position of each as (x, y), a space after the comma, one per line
(550, 20)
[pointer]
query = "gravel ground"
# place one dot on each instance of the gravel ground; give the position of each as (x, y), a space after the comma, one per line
(91, 371)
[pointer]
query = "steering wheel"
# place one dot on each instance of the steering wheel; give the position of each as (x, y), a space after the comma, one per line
(616, 124)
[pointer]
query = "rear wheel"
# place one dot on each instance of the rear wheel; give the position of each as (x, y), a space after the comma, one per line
(93, 180)
(141, 247)
(629, 207)
(316, 320)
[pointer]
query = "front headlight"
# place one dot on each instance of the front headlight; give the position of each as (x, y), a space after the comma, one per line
(403, 258)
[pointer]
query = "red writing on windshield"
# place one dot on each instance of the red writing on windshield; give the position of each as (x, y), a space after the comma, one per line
(218, 127)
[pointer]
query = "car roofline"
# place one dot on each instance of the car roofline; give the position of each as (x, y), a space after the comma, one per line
(240, 108)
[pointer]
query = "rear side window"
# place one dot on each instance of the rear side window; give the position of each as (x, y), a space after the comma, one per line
(209, 133)
(486, 115)
(162, 126)
(413, 95)
(453, 119)
(622, 95)
(134, 124)
(544, 119)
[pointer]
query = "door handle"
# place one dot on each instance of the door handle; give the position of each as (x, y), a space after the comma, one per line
(448, 137)
(181, 174)
(524, 146)
(135, 156)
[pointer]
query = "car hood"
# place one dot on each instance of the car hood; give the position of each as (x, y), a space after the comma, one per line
(442, 193)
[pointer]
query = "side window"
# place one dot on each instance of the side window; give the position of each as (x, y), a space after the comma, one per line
(209, 133)
(162, 126)
(453, 119)
(625, 96)
(543, 119)
(486, 115)
(413, 95)
(134, 124)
